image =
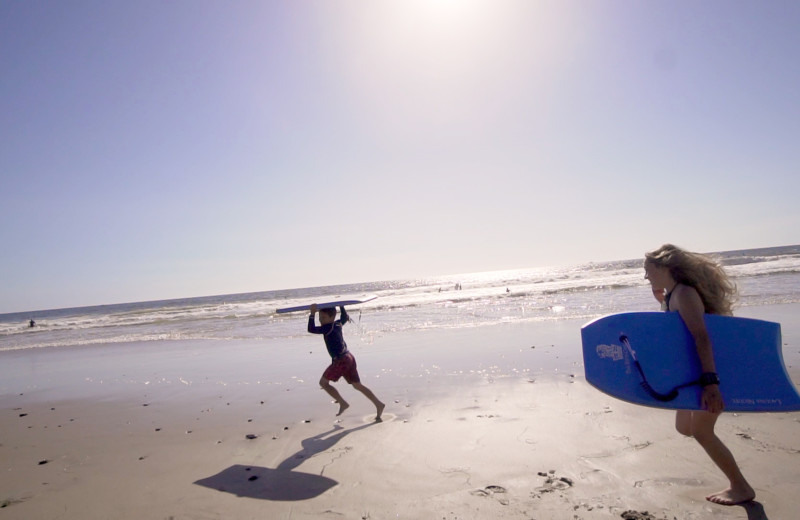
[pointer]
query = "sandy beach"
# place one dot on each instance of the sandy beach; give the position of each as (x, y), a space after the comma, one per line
(491, 422)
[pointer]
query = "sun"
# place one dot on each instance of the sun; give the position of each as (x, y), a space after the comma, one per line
(456, 12)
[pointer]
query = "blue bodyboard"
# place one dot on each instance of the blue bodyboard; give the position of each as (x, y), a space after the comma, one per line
(747, 353)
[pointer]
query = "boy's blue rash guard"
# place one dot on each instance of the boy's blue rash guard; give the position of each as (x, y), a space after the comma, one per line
(334, 340)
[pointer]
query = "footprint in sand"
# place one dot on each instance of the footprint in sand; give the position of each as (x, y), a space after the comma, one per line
(636, 515)
(385, 417)
(490, 491)
(668, 482)
(551, 484)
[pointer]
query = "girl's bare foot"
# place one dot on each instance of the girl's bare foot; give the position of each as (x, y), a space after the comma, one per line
(380, 408)
(343, 405)
(732, 497)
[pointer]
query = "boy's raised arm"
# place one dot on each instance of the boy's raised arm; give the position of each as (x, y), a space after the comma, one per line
(311, 325)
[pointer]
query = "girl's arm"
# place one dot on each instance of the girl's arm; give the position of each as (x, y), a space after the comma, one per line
(690, 307)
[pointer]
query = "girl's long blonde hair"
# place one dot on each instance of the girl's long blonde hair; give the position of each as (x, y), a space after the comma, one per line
(702, 272)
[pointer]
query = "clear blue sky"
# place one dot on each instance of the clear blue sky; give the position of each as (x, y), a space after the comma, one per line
(154, 150)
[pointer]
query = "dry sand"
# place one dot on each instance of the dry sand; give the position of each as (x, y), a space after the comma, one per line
(496, 422)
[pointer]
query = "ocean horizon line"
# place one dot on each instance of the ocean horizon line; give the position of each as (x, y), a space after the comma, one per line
(353, 287)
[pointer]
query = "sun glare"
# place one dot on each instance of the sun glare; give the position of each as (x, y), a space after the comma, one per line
(451, 8)
(442, 60)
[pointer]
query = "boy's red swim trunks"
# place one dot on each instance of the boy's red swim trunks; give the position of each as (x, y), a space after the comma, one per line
(344, 365)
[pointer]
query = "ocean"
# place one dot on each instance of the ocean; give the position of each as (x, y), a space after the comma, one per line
(764, 276)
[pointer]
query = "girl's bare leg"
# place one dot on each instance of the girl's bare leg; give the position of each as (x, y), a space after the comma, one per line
(700, 425)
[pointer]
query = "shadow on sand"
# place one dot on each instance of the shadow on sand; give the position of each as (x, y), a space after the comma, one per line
(755, 511)
(281, 483)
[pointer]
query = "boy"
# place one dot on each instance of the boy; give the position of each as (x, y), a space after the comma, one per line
(342, 361)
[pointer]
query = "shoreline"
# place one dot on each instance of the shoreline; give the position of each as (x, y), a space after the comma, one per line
(480, 423)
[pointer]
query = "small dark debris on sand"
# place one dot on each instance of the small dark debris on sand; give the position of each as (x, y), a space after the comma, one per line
(636, 515)
(251, 436)
(10, 502)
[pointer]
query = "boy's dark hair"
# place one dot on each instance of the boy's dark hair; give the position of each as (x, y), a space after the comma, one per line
(331, 311)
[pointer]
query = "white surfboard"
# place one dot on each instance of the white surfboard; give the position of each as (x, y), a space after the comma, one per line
(328, 305)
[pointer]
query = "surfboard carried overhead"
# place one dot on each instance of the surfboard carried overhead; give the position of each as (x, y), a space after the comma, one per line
(329, 305)
(649, 358)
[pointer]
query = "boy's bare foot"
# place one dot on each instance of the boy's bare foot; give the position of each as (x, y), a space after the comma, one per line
(380, 408)
(732, 497)
(342, 407)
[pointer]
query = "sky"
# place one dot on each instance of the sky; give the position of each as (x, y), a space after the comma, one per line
(153, 150)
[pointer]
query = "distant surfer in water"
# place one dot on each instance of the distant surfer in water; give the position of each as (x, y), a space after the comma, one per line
(693, 284)
(342, 361)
